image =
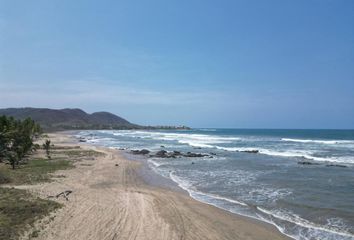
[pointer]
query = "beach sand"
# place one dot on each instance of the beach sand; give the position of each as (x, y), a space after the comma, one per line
(113, 202)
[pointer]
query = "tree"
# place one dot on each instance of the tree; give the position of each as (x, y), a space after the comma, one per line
(16, 138)
(46, 146)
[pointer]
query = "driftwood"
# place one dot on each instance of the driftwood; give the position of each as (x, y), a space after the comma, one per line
(65, 195)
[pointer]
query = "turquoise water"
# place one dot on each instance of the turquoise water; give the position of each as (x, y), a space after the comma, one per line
(312, 201)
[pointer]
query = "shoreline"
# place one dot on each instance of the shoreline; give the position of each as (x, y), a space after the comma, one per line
(114, 199)
(152, 177)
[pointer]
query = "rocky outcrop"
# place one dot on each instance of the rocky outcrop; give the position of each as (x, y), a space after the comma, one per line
(174, 154)
(140, 152)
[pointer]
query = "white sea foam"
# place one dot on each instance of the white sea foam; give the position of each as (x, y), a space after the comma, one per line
(209, 199)
(156, 164)
(207, 129)
(307, 155)
(318, 141)
(235, 149)
(292, 153)
(195, 140)
(334, 227)
(264, 194)
(187, 186)
(296, 219)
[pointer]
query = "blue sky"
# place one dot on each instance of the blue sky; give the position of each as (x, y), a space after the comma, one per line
(244, 64)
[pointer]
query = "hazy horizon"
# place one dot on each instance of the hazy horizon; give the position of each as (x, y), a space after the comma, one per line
(231, 64)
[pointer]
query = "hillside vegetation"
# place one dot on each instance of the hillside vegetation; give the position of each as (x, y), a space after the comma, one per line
(69, 119)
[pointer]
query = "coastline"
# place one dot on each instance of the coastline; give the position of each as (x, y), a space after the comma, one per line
(115, 197)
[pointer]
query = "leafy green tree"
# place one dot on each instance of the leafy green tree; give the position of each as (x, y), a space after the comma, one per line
(16, 138)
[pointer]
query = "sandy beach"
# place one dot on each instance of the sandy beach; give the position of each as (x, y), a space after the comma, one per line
(110, 201)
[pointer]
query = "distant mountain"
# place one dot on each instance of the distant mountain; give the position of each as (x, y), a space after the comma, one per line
(69, 119)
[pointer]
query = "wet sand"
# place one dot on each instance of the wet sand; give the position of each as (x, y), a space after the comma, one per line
(115, 202)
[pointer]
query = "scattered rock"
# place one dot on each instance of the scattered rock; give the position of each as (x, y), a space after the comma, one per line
(250, 151)
(174, 154)
(307, 163)
(116, 164)
(82, 140)
(190, 154)
(161, 153)
(197, 148)
(192, 162)
(177, 153)
(140, 152)
(162, 146)
(336, 165)
(212, 153)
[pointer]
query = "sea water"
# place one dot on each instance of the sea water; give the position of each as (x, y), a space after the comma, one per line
(304, 201)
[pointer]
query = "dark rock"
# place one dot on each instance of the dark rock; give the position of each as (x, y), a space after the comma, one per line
(82, 140)
(197, 148)
(174, 154)
(213, 153)
(336, 165)
(162, 146)
(116, 164)
(142, 152)
(307, 163)
(192, 162)
(251, 151)
(161, 153)
(177, 153)
(190, 154)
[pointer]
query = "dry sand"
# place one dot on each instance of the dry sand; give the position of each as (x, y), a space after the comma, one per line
(112, 202)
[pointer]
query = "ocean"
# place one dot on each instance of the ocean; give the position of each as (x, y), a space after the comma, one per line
(301, 181)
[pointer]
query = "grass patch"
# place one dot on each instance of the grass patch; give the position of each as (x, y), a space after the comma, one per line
(82, 153)
(35, 171)
(19, 210)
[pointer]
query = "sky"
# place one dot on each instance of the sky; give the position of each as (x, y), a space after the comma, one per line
(201, 63)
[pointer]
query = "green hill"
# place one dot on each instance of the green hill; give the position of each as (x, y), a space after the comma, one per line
(69, 119)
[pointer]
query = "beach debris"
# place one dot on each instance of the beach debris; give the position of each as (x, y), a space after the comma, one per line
(142, 152)
(65, 194)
